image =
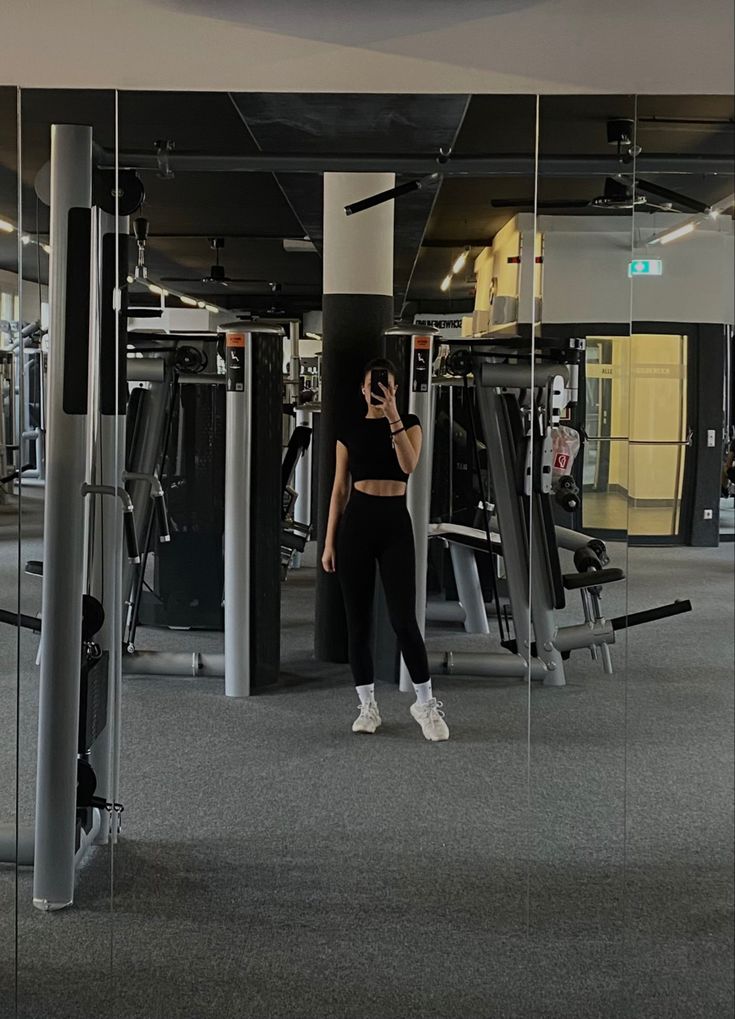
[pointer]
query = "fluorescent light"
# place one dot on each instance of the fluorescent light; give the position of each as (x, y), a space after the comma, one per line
(131, 279)
(312, 336)
(46, 248)
(713, 213)
(7, 228)
(25, 239)
(446, 282)
(211, 308)
(680, 231)
(460, 262)
(187, 300)
(201, 304)
(157, 290)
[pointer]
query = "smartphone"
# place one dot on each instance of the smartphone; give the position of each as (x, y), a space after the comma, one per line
(378, 375)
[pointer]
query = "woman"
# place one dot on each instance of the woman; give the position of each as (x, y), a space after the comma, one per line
(379, 452)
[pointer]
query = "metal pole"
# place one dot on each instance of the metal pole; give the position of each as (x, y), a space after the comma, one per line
(64, 537)
(294, 368)
(107, 565)
(418, 495)
(302, 506)
(237, 513)
(511, 525)
(469, 588)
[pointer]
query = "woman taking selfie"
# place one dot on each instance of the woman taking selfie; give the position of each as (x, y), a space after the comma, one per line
(370, 524)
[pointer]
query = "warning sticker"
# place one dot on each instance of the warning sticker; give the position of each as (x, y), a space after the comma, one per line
(421, 363)
(235, 362)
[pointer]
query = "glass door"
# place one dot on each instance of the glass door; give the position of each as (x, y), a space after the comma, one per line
(637, 435)
(605, 495)
(659, 435)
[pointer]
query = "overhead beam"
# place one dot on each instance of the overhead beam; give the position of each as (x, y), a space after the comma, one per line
(425, 164)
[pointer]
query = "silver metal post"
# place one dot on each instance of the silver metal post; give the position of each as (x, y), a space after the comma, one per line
(237, 513)
(469, 588)
(418, 495)
(107, 567)
(64, 546)
(294, 365)
(302, 506)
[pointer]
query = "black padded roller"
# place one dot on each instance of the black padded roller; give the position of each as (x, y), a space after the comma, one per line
(586, 559)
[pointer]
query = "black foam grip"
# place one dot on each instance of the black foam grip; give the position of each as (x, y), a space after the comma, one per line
(20, 618)
(131, 539)
(76, 324)
(159, 503)
(650, 615)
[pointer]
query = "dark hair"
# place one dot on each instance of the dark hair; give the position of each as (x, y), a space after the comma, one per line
(380, 362)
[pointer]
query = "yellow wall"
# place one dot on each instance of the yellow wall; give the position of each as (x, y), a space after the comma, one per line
(657, 414)
(648, 405)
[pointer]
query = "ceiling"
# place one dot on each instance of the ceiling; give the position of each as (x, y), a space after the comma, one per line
(256, 211)
(410, 46)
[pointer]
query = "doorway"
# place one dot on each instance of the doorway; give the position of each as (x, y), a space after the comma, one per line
(636, 395)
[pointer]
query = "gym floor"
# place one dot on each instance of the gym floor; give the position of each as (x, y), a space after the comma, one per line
(274, 865)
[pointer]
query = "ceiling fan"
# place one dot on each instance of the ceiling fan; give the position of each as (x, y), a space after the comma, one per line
(217, 272)
(619, 194)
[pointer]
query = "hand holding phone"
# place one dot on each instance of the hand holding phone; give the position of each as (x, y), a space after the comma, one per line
(378, 376)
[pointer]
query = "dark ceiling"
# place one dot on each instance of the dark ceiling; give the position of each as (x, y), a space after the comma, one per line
(255, 211)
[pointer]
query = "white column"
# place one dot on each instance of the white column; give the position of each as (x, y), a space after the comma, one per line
(358, 308)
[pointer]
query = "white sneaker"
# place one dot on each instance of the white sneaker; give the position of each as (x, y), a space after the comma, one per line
(431, 720)
(369, 718)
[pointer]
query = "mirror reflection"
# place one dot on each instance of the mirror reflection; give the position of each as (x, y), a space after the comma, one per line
(10, 502)
(449, 701)
(577, 741)
(679, 680)
(66, 694)
(253, 304)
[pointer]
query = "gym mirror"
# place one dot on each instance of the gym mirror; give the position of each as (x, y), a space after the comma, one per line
(679, 712)
(9, 530)
(67, 696)
(584, 207)
(251, 810)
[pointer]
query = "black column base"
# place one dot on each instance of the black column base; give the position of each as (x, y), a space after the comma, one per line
(353, 331)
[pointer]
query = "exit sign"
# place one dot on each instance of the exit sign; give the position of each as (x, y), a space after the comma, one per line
(646, 267)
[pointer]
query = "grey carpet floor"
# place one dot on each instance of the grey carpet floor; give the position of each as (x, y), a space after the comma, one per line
(568, 853)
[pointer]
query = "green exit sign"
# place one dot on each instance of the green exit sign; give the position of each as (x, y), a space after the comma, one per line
(646, 267)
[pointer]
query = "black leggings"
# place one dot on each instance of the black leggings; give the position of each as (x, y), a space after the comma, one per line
(377, 529)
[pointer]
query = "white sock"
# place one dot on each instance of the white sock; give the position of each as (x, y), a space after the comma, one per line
(366, 693)
(423, 692)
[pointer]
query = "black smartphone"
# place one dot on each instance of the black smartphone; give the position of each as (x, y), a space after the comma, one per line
(378, 375)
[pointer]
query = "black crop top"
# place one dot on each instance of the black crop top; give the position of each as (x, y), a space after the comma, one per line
(370, 448)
